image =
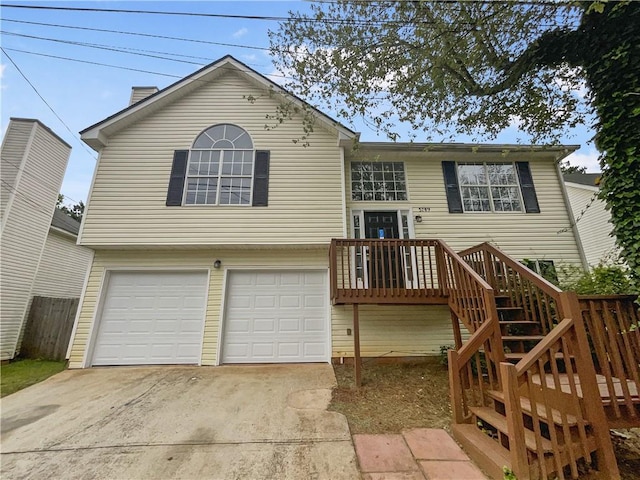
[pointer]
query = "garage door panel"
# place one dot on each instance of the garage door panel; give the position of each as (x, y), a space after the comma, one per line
(265, 301)
(151, 318)
(289, 325)
(278, 316)
(261, 351)
(289, 350)
(263, 325)
(314, 325)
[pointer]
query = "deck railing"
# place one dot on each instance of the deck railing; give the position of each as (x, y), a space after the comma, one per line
(387, 271)
(613, 328)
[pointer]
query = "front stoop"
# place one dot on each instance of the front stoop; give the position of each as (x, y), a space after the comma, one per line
(419, 454)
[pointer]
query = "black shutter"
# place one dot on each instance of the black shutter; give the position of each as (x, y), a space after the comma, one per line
(176, 180)
(451, 187)
(528, 190)
(261, 179)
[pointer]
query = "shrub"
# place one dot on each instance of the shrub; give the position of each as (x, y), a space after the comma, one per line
(601, 280)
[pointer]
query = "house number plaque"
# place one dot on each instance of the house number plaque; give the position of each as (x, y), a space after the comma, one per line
(424, 209)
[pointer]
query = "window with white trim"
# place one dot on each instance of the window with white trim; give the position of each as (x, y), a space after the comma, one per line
(489, 187)
(220, 169)
(378, 181)
(546, 269)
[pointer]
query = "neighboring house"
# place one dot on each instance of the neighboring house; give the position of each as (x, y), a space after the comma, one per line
(211, 232)
(591, 217)
(63, 266)
(33, 163)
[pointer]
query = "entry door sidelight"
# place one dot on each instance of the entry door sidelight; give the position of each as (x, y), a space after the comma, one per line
(385, 263)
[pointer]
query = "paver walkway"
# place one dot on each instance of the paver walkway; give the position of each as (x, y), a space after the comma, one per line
(423, 453)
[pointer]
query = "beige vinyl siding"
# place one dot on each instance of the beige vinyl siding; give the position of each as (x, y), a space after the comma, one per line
(25, 228)
(255, 259)
(13, 153)
(392, 330)
(545, 235)
(594, 224)
(62, 268)
(127, 204)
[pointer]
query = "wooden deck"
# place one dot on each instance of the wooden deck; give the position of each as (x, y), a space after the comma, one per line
(572, 367)
(621, 388)
(389, 271)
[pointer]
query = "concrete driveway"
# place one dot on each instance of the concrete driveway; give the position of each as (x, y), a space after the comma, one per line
(232, 422)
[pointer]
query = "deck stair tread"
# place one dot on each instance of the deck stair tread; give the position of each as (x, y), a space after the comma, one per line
(500, 422)
(522, 337)
(525, 404)
(521, 355)
(486, 452)
(509, 308)
(518, 322)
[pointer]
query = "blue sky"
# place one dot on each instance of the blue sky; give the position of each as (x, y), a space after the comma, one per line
(82, 94)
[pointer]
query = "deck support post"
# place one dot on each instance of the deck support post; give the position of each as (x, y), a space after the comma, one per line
(606, 459)
(515, 423)
(357, 360)
(457, 335)
(455, 388)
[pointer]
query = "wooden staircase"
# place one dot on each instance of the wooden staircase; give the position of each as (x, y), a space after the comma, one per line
(519, 335)
(524, 385)
(543, 375)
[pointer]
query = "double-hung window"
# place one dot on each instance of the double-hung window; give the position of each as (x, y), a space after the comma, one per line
(220, 169)
(489, 187)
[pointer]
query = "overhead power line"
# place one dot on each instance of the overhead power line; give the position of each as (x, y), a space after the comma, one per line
(85, 61)
(150, 35)
(325, 20)
(206, 15)
(121, 67)
(46, 103)
(111, 48)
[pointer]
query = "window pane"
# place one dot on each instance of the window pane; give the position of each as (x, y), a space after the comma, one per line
(472, 174)
(506, 199)
(203, 141)
(476, 199)
(243, 141)
(223, 144)
(502, 174)
(380, 181)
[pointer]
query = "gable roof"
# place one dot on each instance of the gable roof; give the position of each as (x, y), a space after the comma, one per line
(64, 222)
(96, 135)
(589, 179)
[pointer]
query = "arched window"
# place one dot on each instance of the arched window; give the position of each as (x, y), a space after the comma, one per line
(220, 169)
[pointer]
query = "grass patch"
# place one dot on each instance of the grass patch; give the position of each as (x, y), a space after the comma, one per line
(394, 397)
(20, 374)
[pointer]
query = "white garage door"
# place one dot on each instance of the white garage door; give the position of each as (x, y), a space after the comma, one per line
(276, 317)
(151, 318)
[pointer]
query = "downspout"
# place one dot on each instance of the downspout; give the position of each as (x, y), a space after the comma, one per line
(574, 226)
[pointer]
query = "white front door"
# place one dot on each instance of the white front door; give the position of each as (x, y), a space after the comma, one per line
(151, 318)
(276, 317)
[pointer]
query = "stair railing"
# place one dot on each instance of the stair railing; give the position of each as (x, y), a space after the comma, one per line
(537, 297)
(613, 328)
(557, 378)
(474, 368)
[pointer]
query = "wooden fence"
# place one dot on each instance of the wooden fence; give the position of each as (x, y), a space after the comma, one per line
(48, 328)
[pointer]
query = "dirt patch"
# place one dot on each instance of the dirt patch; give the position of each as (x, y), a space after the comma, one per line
(395, 397)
